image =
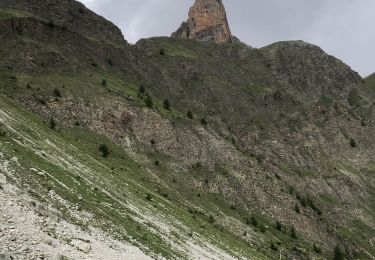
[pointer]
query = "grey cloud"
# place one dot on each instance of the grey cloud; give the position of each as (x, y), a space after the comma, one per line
(340, 27)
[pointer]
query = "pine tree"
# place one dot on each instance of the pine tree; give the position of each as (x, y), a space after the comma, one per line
(104, 150)
(148, 101)
(189, 114)
(167, 104)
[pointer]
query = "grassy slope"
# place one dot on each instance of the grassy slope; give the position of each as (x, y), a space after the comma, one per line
(69, 164)
(9, 13)
(171, 201)
(170, 197)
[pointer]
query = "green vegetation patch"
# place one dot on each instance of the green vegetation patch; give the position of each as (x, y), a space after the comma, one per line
(171, 47)
(6, 14)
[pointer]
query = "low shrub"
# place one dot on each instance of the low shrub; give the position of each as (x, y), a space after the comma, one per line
(274, 247)
(57, 93)
(262, 228)
(148, 197)
(252, 221)
(2, 133)
(261, 158)
(338, 254)
(293, 233)
(317, 249)
(353, 143)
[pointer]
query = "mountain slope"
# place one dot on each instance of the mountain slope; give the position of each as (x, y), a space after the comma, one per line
(370, 80)
(275, 156)
(72, 15)
(64, 171)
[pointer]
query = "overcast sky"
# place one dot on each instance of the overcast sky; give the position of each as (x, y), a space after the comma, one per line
(343, 28)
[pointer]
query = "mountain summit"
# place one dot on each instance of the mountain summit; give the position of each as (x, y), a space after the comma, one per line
(207, 21)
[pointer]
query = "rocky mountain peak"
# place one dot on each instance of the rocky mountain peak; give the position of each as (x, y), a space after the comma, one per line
(207, 21)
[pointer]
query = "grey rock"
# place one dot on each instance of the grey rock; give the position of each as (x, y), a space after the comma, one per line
(3, 179)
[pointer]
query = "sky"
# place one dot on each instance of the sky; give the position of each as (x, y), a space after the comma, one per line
(342, 28)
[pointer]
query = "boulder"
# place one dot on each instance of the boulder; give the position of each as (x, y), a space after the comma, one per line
(3, 179)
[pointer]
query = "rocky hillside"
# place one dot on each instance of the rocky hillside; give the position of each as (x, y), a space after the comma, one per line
(178, 148)
(370, 80)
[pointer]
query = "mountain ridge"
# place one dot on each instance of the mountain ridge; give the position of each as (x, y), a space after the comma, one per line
(73, 15)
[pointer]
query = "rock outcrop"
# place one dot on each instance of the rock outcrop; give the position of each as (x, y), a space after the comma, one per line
(207, 21)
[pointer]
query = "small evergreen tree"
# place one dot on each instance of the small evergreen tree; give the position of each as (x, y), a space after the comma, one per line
(203, 121)
(353, 143)
(149, 102)
(103, 148)
(142, 89)
(293, 233)
(338, 254)
(104, 82)
(211, 219)
(189, 114)
(162, 52)
(254, 221)
(278, 226)
(167, 104)
(149, 197)
(57, 93)
(262, 228)
(52, 123)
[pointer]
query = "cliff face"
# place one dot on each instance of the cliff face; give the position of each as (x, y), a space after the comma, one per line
(207, 21)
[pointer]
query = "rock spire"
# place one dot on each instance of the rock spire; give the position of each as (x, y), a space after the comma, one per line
(207, 21)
